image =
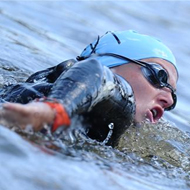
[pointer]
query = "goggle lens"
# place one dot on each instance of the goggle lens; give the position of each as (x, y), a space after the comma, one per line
(158, 77)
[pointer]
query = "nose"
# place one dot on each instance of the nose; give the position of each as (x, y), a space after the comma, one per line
(165, 98)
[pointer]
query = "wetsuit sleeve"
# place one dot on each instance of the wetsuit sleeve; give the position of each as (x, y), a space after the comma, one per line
(90, 89)
(51, 74)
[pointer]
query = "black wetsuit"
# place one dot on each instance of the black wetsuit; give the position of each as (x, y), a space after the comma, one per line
(84, 88)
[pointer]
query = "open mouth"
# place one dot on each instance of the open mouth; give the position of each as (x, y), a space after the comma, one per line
(155, 114)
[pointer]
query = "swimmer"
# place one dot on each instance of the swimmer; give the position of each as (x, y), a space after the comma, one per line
(120, 78)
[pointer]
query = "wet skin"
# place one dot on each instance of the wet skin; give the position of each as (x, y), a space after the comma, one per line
(35, 114)
(150, 101)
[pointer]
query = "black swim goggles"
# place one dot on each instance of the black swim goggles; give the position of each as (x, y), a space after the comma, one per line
(154, 73)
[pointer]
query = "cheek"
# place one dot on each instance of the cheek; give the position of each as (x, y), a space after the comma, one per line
(143, 92)
(143, 101)
(140, 89)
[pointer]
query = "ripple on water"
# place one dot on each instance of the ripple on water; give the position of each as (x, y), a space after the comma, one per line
(144, 153)
(10, 74)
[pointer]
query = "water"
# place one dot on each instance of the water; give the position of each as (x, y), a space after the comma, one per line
(39, 34)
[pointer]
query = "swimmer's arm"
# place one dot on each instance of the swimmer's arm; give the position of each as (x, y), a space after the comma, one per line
(72, 90)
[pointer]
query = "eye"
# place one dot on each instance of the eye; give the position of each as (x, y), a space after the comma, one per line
(150, 76)
(163, 76)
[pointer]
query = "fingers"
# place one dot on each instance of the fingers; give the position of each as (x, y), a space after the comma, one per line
(14, 107)
(8, 119)
(18, 115)
(35, 114)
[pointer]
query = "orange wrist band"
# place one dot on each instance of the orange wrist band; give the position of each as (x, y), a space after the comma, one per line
(61, 116)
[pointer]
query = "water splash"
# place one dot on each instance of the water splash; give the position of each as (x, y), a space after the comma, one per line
(162, 140)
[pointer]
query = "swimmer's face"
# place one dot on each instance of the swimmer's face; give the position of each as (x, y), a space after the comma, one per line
(150, 101)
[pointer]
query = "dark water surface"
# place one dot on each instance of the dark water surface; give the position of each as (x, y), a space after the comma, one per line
(38, 34)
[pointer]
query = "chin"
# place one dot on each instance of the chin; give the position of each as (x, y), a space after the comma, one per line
(140, 118)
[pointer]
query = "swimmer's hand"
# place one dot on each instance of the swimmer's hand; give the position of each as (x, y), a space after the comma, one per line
(35, 114)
